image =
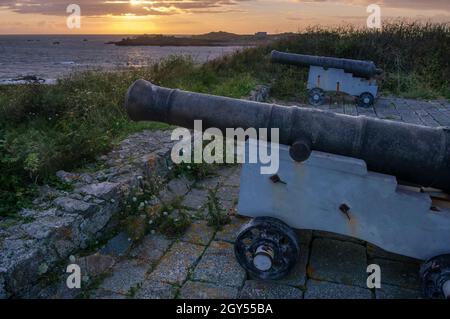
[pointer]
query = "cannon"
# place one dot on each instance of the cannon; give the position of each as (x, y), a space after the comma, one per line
(354, 77)
(357, 176)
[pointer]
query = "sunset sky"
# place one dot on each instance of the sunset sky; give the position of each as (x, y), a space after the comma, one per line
(201, 16)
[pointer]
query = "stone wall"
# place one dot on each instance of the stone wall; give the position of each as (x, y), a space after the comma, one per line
(62, 223)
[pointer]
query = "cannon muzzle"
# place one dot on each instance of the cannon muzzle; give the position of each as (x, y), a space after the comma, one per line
(413, 153)
(365, 69)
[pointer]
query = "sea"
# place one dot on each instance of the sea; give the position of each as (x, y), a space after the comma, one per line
(52, 57)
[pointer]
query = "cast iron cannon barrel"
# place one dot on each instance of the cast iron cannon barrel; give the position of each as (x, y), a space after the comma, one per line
(360, 68)
(413, 153)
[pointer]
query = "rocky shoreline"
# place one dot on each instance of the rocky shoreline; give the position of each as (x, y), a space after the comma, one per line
(28, 79)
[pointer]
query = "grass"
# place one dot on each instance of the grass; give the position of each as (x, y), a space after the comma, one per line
(47, 128)
(217, 217)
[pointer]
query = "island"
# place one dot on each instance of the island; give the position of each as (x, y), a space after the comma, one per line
(219, 38)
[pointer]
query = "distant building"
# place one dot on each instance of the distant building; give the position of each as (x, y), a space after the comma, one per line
(261, 34)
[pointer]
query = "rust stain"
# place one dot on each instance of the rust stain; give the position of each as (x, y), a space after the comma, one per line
(309, 271)
(353, 224)
(352, 221)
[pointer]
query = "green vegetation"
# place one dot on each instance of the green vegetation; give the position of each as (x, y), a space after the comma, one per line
(217, 217)
(47, 128)
(415, 58)
(193, 171)
(142, 213)
(171, 221)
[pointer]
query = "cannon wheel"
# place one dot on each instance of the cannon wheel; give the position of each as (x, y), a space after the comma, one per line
(435, 275)
(366, 99)
(267, 248)
(316, 96)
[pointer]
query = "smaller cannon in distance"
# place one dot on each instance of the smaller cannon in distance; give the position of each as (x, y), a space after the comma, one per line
(354, 77)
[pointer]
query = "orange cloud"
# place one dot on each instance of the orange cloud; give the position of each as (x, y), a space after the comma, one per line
(405, 4)
(120, 7)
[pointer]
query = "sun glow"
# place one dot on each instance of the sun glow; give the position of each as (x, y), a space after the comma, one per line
(140, 2)
(197, 16)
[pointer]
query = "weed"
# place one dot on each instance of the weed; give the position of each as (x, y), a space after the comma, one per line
(217, 217)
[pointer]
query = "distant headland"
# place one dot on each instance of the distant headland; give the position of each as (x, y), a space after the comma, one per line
(209, 39)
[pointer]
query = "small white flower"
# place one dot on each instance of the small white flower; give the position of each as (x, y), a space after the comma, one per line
(134, 199)
(165, 213)
(153, 232)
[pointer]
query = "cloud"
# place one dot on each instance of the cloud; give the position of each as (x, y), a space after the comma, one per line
(120, 7)
(401, 4)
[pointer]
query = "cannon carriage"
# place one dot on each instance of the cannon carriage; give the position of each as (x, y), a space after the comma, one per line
(354, 77)
(356, 176)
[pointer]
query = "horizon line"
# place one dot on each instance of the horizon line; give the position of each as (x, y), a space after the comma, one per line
(156, 33)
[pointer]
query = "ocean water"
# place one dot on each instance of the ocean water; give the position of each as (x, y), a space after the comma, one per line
(52, 57)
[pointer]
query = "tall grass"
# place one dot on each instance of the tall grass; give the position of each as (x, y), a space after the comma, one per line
(47, 128)
(415, 57)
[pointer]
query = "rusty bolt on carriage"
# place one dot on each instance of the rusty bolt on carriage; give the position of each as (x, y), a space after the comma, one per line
(380, 181)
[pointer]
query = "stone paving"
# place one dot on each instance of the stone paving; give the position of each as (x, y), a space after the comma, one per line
(201, 264)
(430, 113)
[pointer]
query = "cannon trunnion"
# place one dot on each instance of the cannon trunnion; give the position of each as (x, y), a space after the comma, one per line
(339, 174)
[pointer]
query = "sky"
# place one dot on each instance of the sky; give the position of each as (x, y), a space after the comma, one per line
(201, 16)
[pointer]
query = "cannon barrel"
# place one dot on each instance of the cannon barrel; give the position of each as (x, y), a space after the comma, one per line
(366, 69)
(415, 154)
